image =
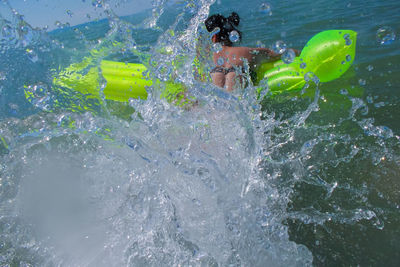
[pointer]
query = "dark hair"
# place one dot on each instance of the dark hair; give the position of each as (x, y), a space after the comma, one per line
(225, 25)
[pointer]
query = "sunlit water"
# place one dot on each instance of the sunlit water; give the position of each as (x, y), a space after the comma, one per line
(293, 180)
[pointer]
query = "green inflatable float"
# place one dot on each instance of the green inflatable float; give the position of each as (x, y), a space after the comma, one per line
(328, 55)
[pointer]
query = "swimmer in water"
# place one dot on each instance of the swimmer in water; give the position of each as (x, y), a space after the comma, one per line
(229, 61)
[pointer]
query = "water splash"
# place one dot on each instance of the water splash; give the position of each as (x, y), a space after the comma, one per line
(166, 186)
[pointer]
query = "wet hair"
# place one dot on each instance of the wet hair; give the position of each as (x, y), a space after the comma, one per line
(225, 25)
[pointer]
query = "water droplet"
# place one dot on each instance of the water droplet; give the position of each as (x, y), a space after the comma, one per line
(347, 39)
(288, 56)
(163, 72)
(97, 3)
(303, 65)
(362, 82)
(214, 32)
(311, 77)
(234, 36)
(216, 47)
(265, 8)
(58, 24)
(23, 30)
(279, 47)
(32, 55)
(13, 108)
(348, 58)
(344, 92)
(6, 31)
(65, 120)
(385, 35)
(220, 61)
(169, 49)
(370, 68)
(38, 95)
(260, 44)
(2, 76)
(69, 13)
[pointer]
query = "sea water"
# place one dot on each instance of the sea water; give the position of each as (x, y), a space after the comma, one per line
(310, 178)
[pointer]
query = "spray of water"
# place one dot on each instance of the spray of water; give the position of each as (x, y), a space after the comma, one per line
(168, 186)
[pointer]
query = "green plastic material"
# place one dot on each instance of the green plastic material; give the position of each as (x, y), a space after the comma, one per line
(327, 56)
(124, 80)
